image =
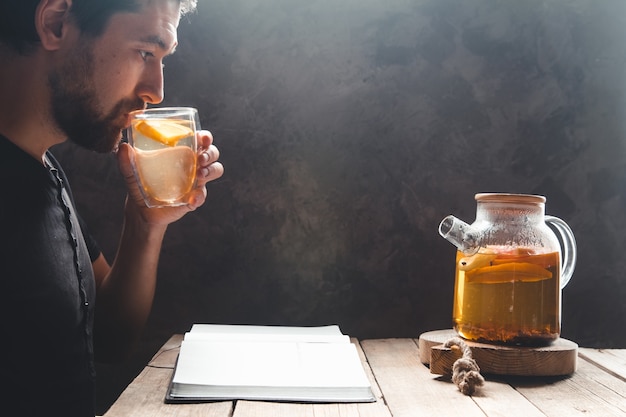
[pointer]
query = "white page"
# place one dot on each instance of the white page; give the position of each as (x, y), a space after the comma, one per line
(224, 332)
(269, 364)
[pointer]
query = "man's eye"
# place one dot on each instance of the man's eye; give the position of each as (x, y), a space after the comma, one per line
(145, 54)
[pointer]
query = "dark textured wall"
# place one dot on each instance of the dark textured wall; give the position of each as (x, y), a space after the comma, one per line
(349, 129)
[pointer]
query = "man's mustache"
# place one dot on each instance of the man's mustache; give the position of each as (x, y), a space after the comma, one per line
(128, 106)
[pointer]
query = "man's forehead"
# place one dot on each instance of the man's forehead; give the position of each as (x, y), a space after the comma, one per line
(170, 7)
(156, 22)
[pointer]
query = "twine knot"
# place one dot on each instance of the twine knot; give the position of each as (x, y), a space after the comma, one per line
(465, 371)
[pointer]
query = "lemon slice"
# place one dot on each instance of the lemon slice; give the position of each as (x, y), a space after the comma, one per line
(162, 131)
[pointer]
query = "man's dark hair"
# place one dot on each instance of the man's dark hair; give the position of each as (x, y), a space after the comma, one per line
(17, 18)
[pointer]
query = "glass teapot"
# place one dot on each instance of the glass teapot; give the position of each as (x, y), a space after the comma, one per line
(510, 270)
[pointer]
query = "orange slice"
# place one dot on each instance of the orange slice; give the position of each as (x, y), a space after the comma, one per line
(163, 131)
(509, 272)
(545, 260)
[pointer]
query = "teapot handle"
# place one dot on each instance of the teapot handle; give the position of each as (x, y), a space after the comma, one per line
(569, 248)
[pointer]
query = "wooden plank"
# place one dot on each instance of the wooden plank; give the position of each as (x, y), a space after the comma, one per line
(498, 399)
(617, 352)
(167, 354)
(276, 409)
(590, 391)
(408, 386)
(600, 381)
(264, 409)
(611, 360)
(145, 397)
(370, 375)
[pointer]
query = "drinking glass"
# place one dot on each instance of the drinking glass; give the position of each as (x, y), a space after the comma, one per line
(165, 146)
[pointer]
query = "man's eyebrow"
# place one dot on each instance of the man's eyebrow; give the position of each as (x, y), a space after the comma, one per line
(158, 41)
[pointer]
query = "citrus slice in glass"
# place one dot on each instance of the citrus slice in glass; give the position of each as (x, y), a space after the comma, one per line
(166, 132)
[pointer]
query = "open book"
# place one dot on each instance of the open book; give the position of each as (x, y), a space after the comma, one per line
(274, 363)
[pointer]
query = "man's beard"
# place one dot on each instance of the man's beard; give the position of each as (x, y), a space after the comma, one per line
(75, 107)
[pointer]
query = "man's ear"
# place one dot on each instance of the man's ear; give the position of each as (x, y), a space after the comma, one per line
(51, 17)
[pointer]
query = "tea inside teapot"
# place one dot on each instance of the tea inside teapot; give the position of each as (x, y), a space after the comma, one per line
(509, 297)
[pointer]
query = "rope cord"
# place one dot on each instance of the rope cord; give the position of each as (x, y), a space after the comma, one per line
(465, 371)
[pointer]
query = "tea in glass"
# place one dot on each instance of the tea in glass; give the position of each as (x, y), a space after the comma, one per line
(508, 295)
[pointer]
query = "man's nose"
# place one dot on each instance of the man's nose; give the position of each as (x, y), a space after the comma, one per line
(150, 87)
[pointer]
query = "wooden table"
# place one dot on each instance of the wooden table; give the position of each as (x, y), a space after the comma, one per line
(405, 387)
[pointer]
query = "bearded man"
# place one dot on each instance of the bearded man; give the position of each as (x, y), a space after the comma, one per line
(75, 69)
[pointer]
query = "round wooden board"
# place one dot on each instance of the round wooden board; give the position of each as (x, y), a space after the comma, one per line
(558, 359)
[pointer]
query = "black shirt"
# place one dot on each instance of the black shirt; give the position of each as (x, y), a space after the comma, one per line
(47, 291)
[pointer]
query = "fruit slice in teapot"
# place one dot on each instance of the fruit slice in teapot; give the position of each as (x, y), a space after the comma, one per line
(478, 260)
(508, 272)
(513, 264)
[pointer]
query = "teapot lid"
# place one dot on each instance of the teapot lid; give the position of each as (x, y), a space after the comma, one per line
(510, 198)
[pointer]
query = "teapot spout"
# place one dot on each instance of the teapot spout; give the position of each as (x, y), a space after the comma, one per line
(460, 234)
